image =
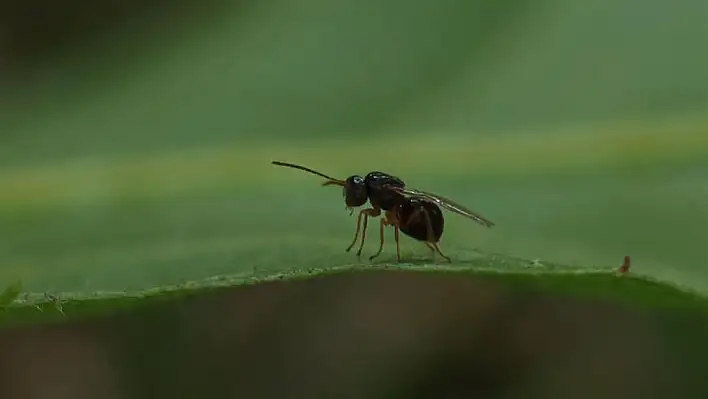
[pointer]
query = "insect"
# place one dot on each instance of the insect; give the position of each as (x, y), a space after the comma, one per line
(416, 213)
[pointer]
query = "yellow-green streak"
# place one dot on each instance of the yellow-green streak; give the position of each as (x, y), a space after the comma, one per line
(93, 180)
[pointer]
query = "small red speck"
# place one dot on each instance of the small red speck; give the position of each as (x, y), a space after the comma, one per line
(625, 266)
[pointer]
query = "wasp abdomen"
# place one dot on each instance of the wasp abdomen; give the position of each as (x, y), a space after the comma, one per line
(413, 222)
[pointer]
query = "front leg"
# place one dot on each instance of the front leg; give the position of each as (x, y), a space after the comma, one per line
(364, 213)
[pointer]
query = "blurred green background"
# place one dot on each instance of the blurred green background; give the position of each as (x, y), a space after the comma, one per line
(139, 156)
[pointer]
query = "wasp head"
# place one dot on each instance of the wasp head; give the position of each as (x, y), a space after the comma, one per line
(355, 192)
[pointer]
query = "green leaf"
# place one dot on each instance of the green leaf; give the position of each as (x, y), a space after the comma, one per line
(10, 293)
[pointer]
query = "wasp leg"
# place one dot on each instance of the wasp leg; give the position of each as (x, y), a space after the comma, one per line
(430, 242)
(389, 220)
(363, 235)
(437, 248)
(431, 247)
(416, 214)
(392, 220)
(365, 213)
(381, 231)
(398, 247)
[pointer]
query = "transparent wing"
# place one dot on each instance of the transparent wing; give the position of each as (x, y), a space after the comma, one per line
(445, 203)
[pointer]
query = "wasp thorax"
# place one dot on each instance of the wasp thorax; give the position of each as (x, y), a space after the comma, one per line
(354, 191)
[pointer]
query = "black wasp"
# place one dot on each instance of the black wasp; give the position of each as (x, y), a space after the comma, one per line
(416, 213)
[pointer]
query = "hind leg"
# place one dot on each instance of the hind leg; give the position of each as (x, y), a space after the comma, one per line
(437, 249)
(430, 247)
(431, 243)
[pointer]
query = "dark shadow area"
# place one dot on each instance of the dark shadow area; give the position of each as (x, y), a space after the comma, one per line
(85, 43)
(32, 32)
(378, 334)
